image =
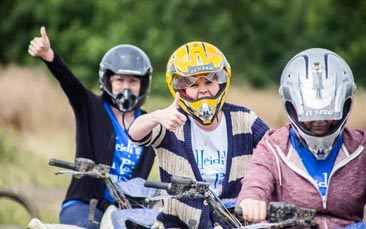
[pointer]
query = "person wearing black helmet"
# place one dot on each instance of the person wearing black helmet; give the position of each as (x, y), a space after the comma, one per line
(101, 123)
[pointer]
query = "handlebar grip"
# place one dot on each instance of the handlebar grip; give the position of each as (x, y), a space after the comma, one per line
(62, 164)
(157, 184)
(238, 211)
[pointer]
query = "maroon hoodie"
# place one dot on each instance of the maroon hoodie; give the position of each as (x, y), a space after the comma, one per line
(283, 177)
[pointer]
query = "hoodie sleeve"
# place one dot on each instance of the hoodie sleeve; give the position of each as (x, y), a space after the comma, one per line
(260, 174)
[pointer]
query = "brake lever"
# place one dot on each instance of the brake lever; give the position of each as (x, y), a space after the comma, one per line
(260, 225)
(157, 198)
(67, 172)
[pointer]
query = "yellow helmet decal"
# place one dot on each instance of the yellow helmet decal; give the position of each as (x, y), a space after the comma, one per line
(195, 58)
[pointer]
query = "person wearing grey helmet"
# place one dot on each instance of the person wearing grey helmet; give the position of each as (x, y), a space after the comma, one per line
(102, 122)
(315, 161)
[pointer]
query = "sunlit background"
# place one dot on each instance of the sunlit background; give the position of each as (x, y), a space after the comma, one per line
(257, 38)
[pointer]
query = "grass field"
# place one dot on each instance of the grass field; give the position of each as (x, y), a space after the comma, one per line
(36, 124)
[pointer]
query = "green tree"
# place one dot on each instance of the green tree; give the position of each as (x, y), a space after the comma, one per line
(257, 37)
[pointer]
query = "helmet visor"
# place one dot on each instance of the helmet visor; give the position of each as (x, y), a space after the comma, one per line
(183, 82)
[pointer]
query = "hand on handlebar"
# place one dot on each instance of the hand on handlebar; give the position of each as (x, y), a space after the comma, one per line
(253, 210)
(276, 215)
(81, 167)
(280, 215)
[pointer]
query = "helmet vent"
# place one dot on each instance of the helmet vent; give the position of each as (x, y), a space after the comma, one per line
(199, 60)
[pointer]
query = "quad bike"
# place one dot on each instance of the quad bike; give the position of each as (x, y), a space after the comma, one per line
(130, 209)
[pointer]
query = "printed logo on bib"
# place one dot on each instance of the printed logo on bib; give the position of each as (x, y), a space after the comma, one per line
(212, 166)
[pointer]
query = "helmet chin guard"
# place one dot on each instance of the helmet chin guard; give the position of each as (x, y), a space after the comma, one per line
(125, 100)
(204, 110)
(319, 146)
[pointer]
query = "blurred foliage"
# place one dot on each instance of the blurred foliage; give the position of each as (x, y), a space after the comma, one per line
(257, 37)
(8, 148)
(28, 174)
(13, 214)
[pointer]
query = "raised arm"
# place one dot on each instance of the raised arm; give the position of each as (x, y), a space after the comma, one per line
(41, 46)
(170, 118)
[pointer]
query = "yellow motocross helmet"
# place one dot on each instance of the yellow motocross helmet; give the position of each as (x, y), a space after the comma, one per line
(186, 65)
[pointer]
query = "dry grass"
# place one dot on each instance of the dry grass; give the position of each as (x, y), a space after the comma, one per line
(32, 100)
(43, 127)
(38, 109)
(267, 105)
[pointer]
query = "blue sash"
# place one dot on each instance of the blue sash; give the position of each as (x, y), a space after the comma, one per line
(319, 170)
(126, 154)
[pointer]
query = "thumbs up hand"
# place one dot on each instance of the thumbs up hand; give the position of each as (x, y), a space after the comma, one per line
(170, 117)
(40, 46)
(175, 103)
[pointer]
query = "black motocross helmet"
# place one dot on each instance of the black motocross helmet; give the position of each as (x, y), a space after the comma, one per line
(127, 60)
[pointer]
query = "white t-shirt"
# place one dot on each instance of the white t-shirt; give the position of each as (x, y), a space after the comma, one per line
(210, 150)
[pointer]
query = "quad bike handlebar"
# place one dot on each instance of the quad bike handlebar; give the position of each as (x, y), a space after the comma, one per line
(279, 214)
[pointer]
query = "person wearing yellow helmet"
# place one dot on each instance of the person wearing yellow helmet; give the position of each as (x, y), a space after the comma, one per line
(185, 68)
(199, 135)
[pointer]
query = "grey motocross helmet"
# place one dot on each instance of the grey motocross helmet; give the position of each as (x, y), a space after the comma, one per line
(127, 60)
(317, 84)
